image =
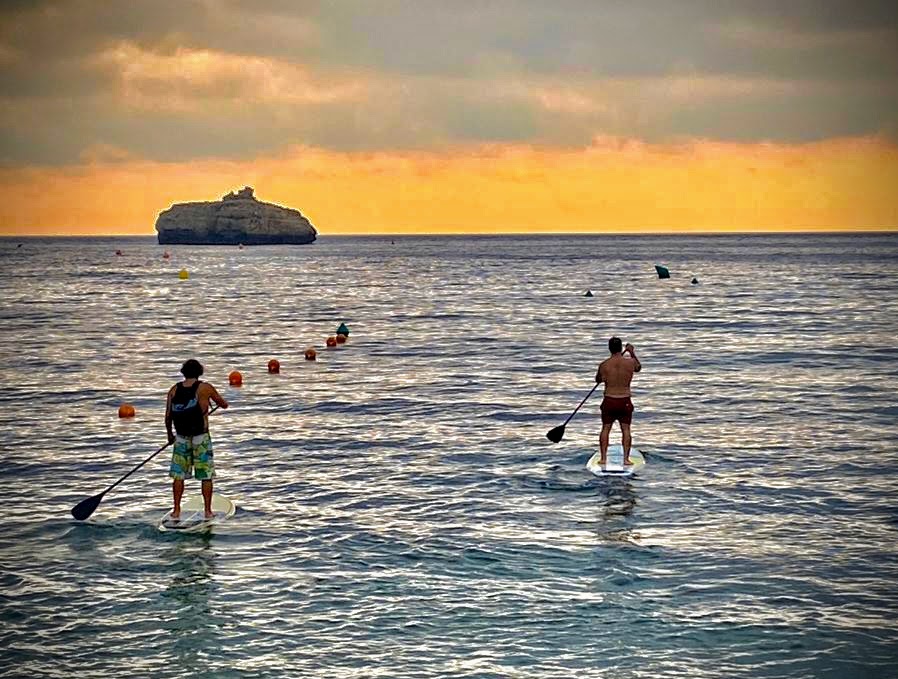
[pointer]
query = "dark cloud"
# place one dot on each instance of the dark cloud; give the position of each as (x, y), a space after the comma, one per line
(783, 119)
(830, 16)
(623, 39)
(442, 73)
(464, 38)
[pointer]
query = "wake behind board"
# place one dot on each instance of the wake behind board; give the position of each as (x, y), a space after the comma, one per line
(614, 462)
(193, 519)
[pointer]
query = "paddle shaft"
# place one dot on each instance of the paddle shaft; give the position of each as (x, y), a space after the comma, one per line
(135, 469)
(581, 404)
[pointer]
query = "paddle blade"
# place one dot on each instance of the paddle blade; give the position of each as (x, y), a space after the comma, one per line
(556, 434)
(85, 508)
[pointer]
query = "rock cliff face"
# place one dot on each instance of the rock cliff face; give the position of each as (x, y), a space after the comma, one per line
(236, 218)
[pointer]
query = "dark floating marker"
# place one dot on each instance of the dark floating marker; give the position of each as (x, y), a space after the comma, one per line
(342, 330)
(663, 272)
(588, 293)
(694, 281)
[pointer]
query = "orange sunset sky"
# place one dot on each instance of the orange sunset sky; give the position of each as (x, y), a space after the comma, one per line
(444, 117)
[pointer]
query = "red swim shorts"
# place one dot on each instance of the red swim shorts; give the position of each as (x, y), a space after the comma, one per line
(617, 409)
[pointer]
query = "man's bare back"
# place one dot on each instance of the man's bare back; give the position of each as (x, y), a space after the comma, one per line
(617, 373)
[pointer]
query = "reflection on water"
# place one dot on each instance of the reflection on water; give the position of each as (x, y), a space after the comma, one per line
(616, 500)
(191, 567)
(189, 573)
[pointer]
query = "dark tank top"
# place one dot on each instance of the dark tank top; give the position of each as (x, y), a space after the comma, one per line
(186, 414)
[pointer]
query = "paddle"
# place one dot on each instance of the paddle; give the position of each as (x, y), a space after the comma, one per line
(85, 508)
(556, 434)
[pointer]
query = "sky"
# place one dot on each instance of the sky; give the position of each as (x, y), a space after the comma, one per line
(452, 116)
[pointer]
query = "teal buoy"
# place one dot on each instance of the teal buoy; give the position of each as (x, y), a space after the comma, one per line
(662, 271)
(342, 330)
(588, 293)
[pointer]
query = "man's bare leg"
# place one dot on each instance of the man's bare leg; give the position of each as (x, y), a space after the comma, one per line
(207, 497)
(603, 442)
(626, 439)
(177, 489)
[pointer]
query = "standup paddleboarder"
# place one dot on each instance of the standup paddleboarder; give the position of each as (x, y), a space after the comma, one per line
(617, 373)
(187, 409)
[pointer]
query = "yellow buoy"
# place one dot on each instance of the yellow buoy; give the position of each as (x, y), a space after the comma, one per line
(183, 275)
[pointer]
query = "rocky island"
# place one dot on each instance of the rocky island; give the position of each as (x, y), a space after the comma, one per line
(236, 218)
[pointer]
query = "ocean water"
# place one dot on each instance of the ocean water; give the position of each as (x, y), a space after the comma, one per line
(401, 512)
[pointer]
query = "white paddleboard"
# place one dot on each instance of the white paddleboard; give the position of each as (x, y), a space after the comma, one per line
(614, 462)
(193, 515)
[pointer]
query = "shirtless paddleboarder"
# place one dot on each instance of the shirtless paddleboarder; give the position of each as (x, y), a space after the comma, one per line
(617, 373)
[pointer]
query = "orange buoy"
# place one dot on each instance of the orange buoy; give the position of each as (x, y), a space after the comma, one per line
(341, 339)
(126, 410)
(235, 379)
(311, 354)
(274, 366)
(331, 342)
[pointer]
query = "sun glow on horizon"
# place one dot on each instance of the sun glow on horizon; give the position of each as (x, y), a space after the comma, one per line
(613, 185)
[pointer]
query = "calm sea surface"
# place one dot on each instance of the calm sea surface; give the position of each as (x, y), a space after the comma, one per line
(401, 512)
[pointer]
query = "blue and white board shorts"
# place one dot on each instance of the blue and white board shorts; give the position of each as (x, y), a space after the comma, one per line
(192, 453)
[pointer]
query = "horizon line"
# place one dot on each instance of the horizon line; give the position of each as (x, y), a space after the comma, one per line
(467, 234)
